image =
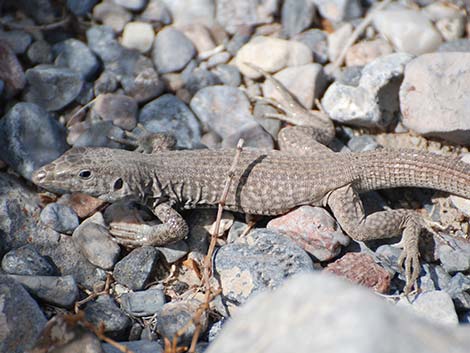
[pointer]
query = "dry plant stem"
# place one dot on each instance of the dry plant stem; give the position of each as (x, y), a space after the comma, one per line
(45, 27)
(357, 32)
(93, 295)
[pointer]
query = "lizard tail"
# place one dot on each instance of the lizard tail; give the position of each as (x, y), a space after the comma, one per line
(401, 168)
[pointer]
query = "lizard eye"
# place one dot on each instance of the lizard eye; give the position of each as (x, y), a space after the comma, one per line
(84, 174)
(118, 184)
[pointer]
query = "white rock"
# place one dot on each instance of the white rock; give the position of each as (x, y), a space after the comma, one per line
(338, 39)
(409, 31)
(138, 35)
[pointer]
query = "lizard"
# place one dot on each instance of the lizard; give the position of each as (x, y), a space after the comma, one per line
(303, 172)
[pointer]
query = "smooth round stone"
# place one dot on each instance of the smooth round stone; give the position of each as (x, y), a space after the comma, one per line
(228, 75)
(77, 56)
(118, 108)
(172, 50)
(80, 7)
(40, 52)
(296, 16)
(102, 41)
(420, 36)
(138, 35)
(133, 5)
(27, 261)
(271, 54)
(433, 99)
(106, 83)
(156, 12)
(112, 15)
(200, 78)
(18, 41)
(31, 138)
(59, 217)
(51, 87)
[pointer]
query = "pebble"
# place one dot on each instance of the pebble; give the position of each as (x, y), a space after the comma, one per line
(95, 242)
(363, 53)
(75, 55)
(138, 35)
(19, 150)
(200, 36)
(261, 260)
(18, 41)
(454, 256)
(459, 45)
(419, 38)
(102, 41)
(105, 310)
(186, 12)
(449, 21)
(374, 102)
(316, 40)
(97, 135)
(271, 55)
(27, 261)
(61, 218)
(112, 15)
(120, 109)
(80, 7)
(22, 319)
(338, 39)
(143, 303)
(436, 306)
(142, 346)
(172, 50)
(363, 143)
(58, 291)
(135, 270)
(173, 316)
(168, 113)
(200, 78)
(362, 318)
(133, 5)
(361, 269)
(11, 71)
(40, 52)
(305, 82)
(339, 10)
(156, 12)
(52, 87)
(254, 136)
(428, 101)
(174, 251)
(297, 16)
(313, 229)
(107, 82)
(83, 205)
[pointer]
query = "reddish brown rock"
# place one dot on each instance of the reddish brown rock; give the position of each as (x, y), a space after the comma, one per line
(83, 205)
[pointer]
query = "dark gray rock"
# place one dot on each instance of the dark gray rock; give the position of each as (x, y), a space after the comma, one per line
(106, 83)
(102, 41)
(52, 87)
(174, 251)
(296, 16)
(18, 41)
(200, 78)
(31, 138)
(11, 71)
(40, 52)
(143, 303)
(172, 50)
(86, 94)
(170, 114)
(80, 7)
(59, 291)
(143, 346)
(42, 11)
(75, 55)
(105, 310)
(26, 260)
(22, 319)
(61, 218)
(135, 270)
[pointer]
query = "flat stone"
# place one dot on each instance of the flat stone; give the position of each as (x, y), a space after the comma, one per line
(143, 303)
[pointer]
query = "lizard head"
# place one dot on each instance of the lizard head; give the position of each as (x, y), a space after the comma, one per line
(99, 172)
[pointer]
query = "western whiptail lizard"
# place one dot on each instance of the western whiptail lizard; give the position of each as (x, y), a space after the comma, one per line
(265, 183)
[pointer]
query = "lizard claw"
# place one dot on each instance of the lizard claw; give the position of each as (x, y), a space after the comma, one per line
(409, 258)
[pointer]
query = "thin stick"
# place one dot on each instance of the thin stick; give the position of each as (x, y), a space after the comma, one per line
(357, 32)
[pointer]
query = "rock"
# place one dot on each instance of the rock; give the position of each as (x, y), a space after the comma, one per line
(174, 251)
(18, 41)
(173, 316)
(305, 82)
(135, 269)
(271, 55)
(313, 229)
(459, 45)
(454, 253)
(22, 319)
(133, 5)
(297, 16)
(106, 83)
(436, 306)
(363, 143)
(97, 135)
(40, 52)
(26, 260)
(261, 260)
(200, 36)
(449, 21)
(191, 11)
(428, 99)
(419, 38)
(61, 218)
(118, 108)
(170, 114)
(57, 291)
(142, 346)
(75, 55)
(338, 39)
(143, 303)
(272, 321)
(80, 7)
(104, 310)
(361, 269)
(42, 11)
(363, 53)
(95, 243)
(51, 87)
(101, 40)
(198, 79)
(11, 71)
(112, 15)
(339, 10)
(254, 136)
(172, 50)
(83, 205)
(138, 35)
(32, 138)
(316, 40)
(374, 102)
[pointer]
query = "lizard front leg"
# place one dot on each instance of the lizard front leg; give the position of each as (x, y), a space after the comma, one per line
(347, 208)
(173, 228)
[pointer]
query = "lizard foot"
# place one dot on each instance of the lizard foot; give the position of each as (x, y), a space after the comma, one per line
(409, 258)
(134, 235)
